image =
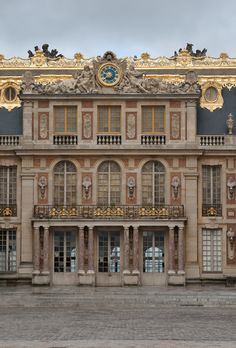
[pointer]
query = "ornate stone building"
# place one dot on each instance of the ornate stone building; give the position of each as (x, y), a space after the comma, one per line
(117, 171)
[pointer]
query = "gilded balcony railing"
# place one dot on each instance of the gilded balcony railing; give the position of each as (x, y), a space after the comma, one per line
(211, 210)
(8, 210)
(108, 212)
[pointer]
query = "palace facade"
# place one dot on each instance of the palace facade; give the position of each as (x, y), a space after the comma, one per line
(117, 171)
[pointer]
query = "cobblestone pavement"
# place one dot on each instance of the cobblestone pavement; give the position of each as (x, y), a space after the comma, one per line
(117, 317)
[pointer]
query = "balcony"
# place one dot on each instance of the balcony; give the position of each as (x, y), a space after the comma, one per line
(10, 140)
(212, 140)
(153, 139)
(212, 210)
(108, 139)
(8, 210)
(65, 140)
(108, 212)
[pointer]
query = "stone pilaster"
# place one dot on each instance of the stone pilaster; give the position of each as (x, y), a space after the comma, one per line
(45, 249)
(27, 122)
(27, 206)
(126, 250)
(135, 250)
(181, 251)
(90, 251)
(171, 251)
(191, 125)
(81, 250)
(191, 211)
(36, 251)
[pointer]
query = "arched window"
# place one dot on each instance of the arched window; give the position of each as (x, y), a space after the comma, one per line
(153, 183)
(65, 183)
(109, 183)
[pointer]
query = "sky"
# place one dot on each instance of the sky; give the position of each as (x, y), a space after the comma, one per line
(126, 27)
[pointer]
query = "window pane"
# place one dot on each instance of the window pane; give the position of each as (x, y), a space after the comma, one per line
(103, 119)
(115, 118)
(159, 114)
(71, 119)
(153, 183)
(7, 250)
(109, 183)
(211, 250)
(59, 119)
(146, 119)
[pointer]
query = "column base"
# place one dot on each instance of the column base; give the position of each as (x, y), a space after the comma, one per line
(130, 278)
(25, 270)
(42, 278)
(176, 279)
(87, 278)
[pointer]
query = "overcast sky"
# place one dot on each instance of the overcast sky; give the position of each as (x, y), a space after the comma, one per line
(127, 27)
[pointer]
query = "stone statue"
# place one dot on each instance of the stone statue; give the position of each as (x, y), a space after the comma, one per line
(189, 48)
(86, 184)
(131, 186)
(231, 183)
(53, 54)
(175, 184)
(42, 183)
(28, 83)
(230, 124)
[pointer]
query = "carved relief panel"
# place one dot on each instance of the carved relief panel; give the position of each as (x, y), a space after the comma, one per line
(175, 188)
(231, 188)
(87, 125)
(43, 126)
(131, 125)
(131, 187)
(175, 125)
(42, 188)
(86, 188)
(231, 243)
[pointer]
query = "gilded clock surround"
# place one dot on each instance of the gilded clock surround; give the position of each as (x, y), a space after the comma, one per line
(109, 74)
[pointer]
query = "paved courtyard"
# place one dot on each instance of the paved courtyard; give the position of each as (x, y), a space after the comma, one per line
(72, 317)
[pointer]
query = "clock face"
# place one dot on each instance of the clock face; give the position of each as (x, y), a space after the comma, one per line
(109, 74)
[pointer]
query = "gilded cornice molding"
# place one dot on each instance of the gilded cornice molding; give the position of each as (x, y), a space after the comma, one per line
(182, 61)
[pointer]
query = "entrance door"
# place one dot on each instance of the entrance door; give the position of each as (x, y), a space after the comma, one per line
(109, 266)
(153, 258)
(64, 257)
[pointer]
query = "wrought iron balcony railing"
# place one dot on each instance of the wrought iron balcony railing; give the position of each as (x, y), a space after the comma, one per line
(211, 210)
(108, 212)
(8, 210)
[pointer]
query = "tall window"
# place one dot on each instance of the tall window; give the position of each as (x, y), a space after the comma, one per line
(7, 250)
(153, 183)
(109, 119)
(8, 185)
(109, 183)
(65, 183)
(65, 119)
(153, 119)
(153, 252)
(212, 250)
(211, 188)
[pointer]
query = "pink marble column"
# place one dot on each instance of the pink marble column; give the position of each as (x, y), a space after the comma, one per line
(135, 250)
(171, 250)
(36, 250)
(81, 250)
(90, 250)
(181, 251)
(45, 249)
(126, 249)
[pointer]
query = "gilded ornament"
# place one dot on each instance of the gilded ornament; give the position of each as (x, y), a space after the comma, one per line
(211, 98)
(145, 56)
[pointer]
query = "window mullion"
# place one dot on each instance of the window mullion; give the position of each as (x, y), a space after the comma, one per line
(109, 184)
(65, 188)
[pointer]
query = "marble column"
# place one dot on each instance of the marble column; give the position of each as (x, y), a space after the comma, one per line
(36, 251)
(181, 251)
(90, 250)
(126, 250)
(45, 249)
(135, 250)
(171, 251)
(81, 250)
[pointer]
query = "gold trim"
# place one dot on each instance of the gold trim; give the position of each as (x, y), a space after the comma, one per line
(214, 104)
(9, 104)
(102, 82)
